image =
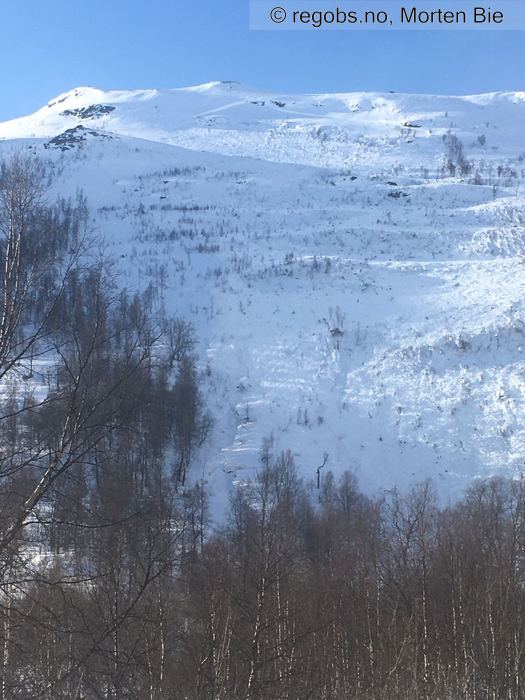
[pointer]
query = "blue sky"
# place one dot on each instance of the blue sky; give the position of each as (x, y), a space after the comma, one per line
(50, 46)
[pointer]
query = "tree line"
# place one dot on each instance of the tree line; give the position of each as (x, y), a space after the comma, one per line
(347, 596)
(100, 415)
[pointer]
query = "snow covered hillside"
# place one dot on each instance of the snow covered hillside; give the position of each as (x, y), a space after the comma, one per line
(353, 264)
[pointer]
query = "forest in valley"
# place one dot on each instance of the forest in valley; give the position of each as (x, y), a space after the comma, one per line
(116, 584)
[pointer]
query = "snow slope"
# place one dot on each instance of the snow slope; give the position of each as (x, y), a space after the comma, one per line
(352, 296)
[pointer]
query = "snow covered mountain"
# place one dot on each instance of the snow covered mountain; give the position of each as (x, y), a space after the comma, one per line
(353, 264)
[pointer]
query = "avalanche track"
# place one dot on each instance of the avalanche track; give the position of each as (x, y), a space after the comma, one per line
(353, 264)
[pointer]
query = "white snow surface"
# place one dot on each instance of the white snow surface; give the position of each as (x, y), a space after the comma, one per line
(350, 297)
